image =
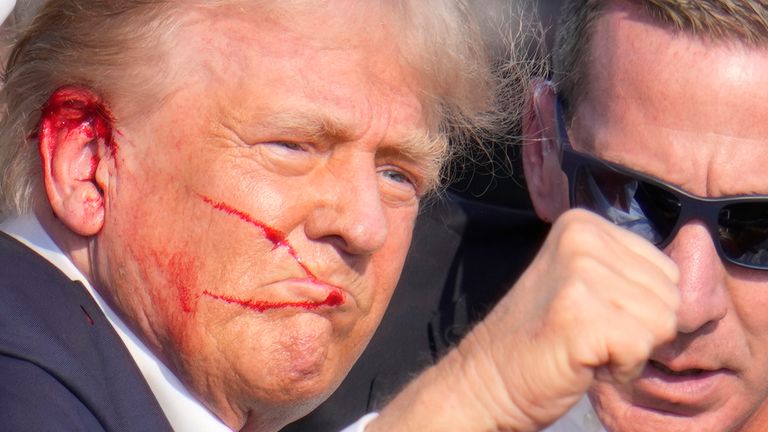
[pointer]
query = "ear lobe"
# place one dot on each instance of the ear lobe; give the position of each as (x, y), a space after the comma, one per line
(547, 185)
(75, 138)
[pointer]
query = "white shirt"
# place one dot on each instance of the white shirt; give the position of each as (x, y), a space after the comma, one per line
(581, 418)
(360, 425)
(6, 6)
(183, 411)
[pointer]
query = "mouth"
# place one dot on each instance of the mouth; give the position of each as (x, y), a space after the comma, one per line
(681, 390)
(681, 378)
(661, 367)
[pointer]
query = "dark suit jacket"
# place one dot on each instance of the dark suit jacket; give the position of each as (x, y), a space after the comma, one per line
(464, 256)
(62, 366)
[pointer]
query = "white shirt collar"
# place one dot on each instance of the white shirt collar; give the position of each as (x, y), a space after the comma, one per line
(183, 411)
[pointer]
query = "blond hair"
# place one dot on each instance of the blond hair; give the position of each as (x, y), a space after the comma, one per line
(111, 46)
(745, 21)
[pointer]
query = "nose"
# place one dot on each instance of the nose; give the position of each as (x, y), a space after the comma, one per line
(350, 213)
(703, 294)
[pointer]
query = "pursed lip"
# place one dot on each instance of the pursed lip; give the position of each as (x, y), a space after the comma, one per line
(680, 389)
(307, 294)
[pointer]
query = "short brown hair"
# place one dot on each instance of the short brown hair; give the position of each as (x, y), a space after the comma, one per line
(745, 21)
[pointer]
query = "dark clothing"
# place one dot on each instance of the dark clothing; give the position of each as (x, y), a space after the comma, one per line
(62, 366)
(463, 258)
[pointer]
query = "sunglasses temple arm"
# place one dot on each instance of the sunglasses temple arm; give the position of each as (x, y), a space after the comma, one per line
(561, 131)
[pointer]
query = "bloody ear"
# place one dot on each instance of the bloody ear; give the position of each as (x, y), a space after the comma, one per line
(75, 140)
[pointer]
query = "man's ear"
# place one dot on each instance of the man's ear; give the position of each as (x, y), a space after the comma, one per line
(75, 141)
(547, 184)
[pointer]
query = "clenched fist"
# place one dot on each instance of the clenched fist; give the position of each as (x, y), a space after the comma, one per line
(594, 304)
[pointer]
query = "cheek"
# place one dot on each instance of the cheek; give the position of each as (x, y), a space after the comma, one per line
(155, 262)
(401, 225)
(388, 262)
(154, 288)
(177, 274)
(749, 295)
(752, 314)
(165, 279)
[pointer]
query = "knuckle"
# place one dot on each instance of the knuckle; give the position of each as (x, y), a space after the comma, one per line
(575, 289)
(581, 265)
(578, 215)
(580, 238)
(572, 310)
(577, 219)
(587, 355)
(673, 296)
(640, 347)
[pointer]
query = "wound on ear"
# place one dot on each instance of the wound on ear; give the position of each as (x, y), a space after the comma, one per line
(71, 108)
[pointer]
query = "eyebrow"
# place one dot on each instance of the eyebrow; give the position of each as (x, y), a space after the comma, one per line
(314, 126)
(424, 149)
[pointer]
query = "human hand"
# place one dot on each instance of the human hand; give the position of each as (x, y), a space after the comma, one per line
(594, 304)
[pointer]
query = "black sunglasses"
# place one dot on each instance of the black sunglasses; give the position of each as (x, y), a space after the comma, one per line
(656, 210)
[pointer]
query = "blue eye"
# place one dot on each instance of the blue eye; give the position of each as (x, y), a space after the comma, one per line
(398, 186)
(396, 176)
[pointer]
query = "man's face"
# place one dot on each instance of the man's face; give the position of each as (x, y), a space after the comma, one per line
(693, 114)
(259, 216)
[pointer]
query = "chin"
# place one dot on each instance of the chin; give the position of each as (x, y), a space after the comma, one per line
(281, 395)
(623, 416)
(309, 365)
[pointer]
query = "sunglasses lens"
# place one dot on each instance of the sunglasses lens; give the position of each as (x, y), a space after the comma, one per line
(640, 207)
(744, 233)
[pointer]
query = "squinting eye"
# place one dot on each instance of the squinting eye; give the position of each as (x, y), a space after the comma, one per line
(396, 176)
(288, 145)
(286, 157)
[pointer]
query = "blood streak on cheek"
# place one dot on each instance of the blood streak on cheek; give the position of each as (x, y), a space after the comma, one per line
(182, 277)
(334, 298)
(178, 269)
(276, 237)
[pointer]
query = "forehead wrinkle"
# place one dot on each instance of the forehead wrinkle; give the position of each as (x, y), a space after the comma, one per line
(319, 125)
